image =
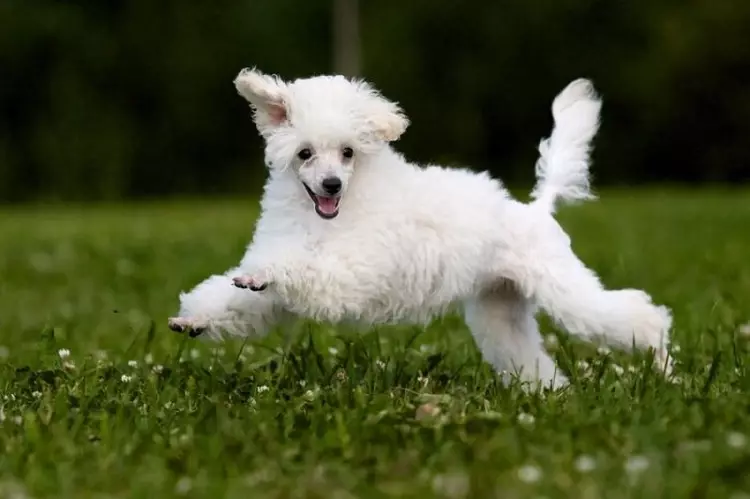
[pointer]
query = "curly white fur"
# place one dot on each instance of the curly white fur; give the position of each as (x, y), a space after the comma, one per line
(563, 165)
(404, 243)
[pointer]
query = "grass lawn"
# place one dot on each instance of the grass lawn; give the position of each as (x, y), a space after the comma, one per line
(100, 400)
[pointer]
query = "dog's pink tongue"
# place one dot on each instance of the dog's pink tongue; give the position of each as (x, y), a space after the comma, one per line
(327, 205)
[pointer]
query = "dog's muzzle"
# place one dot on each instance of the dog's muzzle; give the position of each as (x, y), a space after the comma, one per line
(325, 206)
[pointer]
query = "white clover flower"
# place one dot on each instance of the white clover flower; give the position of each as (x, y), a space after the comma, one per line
(618, 369)
(636, 464)
(526, 419)
(133, 363)
(18, 420)
(426, 411)
(183, 486)
(36, 394)
(452, 485)
(380, 364)
(736, 440)
(333, 350)
(551, 341)
(585, 464)
(603, 350)
(64, 353)
(302, 383)
(126, 379)
(69, 365)
(529, 473)
(262, 389)
(157, 369)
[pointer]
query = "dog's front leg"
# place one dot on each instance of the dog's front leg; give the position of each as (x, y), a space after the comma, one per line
(306, 287)
(215, 308)
(265, 266)
(276, 274)
(257, 282)
(286, 280)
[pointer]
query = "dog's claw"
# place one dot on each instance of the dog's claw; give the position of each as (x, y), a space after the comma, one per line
(176, 325)
(182, 325)
(247, 282)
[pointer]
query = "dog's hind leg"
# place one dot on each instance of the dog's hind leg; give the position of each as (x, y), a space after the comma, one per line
(215, 308)
(503, 325)
(553, 276)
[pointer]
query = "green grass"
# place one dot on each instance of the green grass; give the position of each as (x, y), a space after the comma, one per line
(396, 412)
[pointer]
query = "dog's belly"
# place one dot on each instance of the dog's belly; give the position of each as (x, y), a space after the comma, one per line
(390, 306)
(384, 287)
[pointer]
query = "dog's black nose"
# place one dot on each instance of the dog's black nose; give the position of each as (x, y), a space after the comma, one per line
(332, 185)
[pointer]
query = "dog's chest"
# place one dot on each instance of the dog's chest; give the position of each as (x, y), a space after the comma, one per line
(381, 259)
(377, 272)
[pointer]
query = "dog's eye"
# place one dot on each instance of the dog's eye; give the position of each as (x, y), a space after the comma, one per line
(347, 152)
(305, 154)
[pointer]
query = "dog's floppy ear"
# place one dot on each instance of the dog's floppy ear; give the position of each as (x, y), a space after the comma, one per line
(390, 123)
(268, 97)
(385, 119)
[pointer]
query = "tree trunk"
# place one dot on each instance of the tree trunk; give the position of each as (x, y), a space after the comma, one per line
(346, 42)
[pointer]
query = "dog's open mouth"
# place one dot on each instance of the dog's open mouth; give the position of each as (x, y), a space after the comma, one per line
(325, 206)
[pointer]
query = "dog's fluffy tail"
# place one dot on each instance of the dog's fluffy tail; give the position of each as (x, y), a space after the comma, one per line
(562, 169)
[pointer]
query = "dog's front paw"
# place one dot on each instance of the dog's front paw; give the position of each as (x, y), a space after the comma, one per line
(253, 283)
(185, 325)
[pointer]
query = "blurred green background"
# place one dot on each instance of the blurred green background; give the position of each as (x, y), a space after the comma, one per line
(121, 99)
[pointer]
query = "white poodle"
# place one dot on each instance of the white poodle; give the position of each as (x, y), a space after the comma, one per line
(352, 232)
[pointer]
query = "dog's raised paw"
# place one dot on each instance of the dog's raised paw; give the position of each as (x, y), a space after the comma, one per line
(183, 325)
(249, 282)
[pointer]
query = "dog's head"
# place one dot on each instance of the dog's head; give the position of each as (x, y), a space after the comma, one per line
(320, 128)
